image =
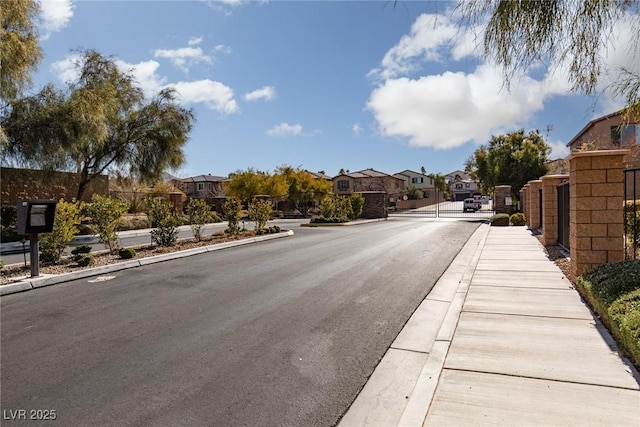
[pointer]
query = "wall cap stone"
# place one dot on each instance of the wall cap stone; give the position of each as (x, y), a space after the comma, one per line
(562, 176)
(619, 152)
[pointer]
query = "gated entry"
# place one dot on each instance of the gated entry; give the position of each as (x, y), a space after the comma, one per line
(441, 208)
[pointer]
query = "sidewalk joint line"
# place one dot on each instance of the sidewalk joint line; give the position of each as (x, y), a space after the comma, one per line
(542, 379)
(526, 315)
(409, 350)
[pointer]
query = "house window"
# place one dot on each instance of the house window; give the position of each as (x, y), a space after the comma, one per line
(458, 186)
(416, 180)
(343, 185)
(625, 135)
(467, 185)
(209, 185)
(200, 186)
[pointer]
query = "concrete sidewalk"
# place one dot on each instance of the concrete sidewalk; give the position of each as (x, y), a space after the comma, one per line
(502, 339)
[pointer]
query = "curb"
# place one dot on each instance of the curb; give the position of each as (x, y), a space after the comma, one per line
(341, 224)
(29, 284)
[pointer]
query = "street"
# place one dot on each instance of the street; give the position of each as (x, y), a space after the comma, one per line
(275, 333)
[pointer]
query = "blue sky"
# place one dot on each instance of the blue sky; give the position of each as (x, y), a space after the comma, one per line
(322, 85)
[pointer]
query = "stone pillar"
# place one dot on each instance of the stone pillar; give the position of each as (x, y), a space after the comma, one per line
(500, 194)
(533, 217)
(524, 203)
(375, 204)
(176, 199)
(596, 197)
(550, 207)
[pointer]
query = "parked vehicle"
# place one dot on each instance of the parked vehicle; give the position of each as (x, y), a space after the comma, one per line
(471, 205)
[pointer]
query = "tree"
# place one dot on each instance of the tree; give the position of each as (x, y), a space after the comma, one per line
(414, 193)
(511, 159)
(20, 52)
(101, 123)
(244, 185)
(303, 187)
(521, 34)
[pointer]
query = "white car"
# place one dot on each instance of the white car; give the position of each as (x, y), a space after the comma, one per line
(471, 205)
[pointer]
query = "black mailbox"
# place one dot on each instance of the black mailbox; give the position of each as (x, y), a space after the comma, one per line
(36, 216)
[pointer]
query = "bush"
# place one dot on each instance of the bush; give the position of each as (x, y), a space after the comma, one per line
(133, 223)
(85, 260)
(1, 264)
(8, 216)
(232, 212)
(53, 244)
(161, 215)
(199, 214)
(499, 220)
(260, 213)
(613, 291)
(105, 214)
(81, 249)
(610, 281)
(357, 203)
(127, 253)
(517, 219)
(274, 229)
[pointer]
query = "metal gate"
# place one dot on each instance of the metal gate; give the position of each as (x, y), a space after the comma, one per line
(632, 213)
(441, 208)
(563, 215)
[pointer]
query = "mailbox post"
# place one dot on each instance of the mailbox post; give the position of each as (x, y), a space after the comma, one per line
(34, 217)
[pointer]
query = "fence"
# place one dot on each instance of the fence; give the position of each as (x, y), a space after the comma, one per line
(632, 213)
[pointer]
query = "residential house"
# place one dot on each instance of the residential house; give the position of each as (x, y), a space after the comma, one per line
(419, 180)
(207, 187)
(461, 185)
(610, 132)
(369, 180)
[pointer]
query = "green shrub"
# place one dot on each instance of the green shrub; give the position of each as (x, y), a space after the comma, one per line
(625, 312)
(53, 244)
(613, 291)
(610, 281)
(199, 214)
(81, 249)
(11, 235)
(269, 230)
(161, 215)
(85, 260)
(632, 226)
(137, 223)
(232, 212)
(105, 214)
(517, 219)
(8, 216)
(260, 213)
(1, 264)
(127, 253)
(357, 203)
(499, 220)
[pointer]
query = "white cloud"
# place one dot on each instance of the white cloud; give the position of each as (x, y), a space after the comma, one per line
(356, 129)
(184, 57)
(285, 129)
(54, 16)
(267, 93)
(194, 41)
(429, 34)
(448, 110)
(559, 149)
(65, 70)
(145, 73)
(222, 48)
(215, 95)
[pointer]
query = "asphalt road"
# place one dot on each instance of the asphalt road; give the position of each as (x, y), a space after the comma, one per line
(280, 333)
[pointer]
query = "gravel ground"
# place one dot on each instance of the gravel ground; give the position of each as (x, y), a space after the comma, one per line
(15, 272)
(560, 256)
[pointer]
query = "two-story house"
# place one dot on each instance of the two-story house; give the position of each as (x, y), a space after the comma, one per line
(419, 180)
(369, 180)
(207, 187)
(610, 132)
(461, 185)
